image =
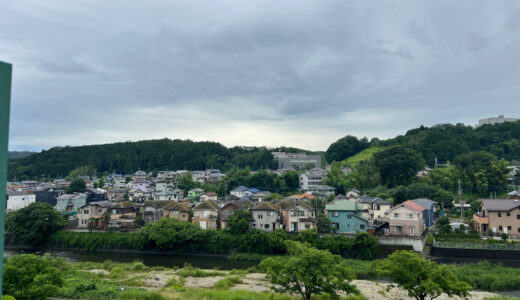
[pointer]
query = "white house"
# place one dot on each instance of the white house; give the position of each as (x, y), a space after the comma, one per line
(17, 200)
(241, 192)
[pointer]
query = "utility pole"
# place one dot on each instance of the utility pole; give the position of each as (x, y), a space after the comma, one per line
(461, 201)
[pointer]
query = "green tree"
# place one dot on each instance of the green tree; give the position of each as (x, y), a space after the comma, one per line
(420, 277)
(323, 223)
(34, 224)
(105, 219)
(30, 277)
(398, 165)
(443, 225)
(336, 178)
(365, 245)
(87, 170)
(309, 271)
(292, 180)
(91, 225)
(365, 176)
(239, 222)
(76, 186)
(101, 182)
(186, 183)
(345, 147)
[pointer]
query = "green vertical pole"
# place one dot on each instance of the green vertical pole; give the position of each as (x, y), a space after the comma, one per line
(5, 101)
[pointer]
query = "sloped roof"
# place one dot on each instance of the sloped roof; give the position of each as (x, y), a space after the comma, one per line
(157, 203)
(426, 203)
(302, 196)
(348, 205)
(264, 206)
(413, 205)
(124, 204)
(500, 204)
(240, 189)
(208, 204)
(366, 199)
(380, 201)
(176, 206)
(100, 203)
(288, 203)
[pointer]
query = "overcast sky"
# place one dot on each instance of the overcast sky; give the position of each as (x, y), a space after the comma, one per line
(294, 73)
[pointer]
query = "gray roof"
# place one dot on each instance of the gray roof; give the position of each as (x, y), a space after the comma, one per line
(366, 199)
(240, 189)
(500, 204)
(380, 201)
(426, 203)
(99, 203)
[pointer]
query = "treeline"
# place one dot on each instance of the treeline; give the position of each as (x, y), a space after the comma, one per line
(171, 235)
(153, 155)
(444, 142)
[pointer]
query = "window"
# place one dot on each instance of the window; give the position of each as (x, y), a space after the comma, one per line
(100, 210)
(175, 212)
(361, 226)
(518, 229)
(398, 228)
(335, 214)
(396, 215)
(85, 212)
(509, 228)
(266, 226)
(294, 213)
(349, 216)
(307, 225)
(184, 215)
(260, 216)
(500, 228)
(508, 214)
(409, 216)
(412, 230)
(499, 215)
(518, 217)
(270, 213)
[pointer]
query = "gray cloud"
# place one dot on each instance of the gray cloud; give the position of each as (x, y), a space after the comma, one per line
(293, 73)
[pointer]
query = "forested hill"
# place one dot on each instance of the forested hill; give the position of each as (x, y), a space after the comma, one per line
(444, 142)
(150, 155)
(19, 154)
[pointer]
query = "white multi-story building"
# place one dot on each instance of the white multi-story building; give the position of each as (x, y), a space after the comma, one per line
(17, 200)
(492, 121)
(310, 179)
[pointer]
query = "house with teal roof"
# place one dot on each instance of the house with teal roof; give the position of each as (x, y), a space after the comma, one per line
(345, 215)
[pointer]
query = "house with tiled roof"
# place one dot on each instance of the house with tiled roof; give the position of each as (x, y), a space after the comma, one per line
(498, 216)
(428, 212)
(227, 211)
(374, 209)
(92, 210)
(206, 214)
(241, 192)
(406, 219)
(265, 217)
(296, 215)
(345, 215)
(177, 210)
(208, 196)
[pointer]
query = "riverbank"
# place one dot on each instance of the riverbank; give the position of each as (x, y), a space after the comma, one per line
(109, 280)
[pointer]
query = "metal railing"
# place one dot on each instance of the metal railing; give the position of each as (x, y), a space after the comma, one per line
(470, 245)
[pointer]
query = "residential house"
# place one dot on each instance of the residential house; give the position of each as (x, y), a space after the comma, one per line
(428, 212)
(265, 217)
(230, 208)
(260, 196)
(297, 215)
(169, 195)
(94, 195)
(48, 195)
(61, 183)
(498, 216)
(124, 213)
(93, 210)
(513, 195)
(70, 202)
(353, 193)
(206, 215)
(17, 200)
(177, 210)
(153, 210)
(30, 184)
(304, 196)
(241, 192)
(374, 209)
(345, 216)
(208, 196)
(322, 191)
(406, 219)
(194, 194)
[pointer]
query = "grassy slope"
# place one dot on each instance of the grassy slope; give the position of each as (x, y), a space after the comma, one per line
(361, 156)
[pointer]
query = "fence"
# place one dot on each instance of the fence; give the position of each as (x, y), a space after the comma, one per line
(475, 245)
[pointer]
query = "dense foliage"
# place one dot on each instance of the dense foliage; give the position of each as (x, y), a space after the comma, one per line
(172, 235)
(345, 147)
(150, 155)
(420, 277)
(76, 186)
(490, 277)
(309, 271)
(30, 277)
(398, 165)
(34, 224)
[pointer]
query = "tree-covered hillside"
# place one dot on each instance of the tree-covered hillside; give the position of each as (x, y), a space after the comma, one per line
(19, 154)
(444, 142)
(150, 155)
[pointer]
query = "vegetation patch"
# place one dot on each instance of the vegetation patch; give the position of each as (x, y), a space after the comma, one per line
(226, 283)
(366, 154)
(490, 277)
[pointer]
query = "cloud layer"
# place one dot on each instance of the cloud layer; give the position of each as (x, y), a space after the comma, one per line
(294, 73)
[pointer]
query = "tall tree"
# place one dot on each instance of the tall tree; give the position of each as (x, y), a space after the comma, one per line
(420, 277)
(345, 147)
(76, 186)
(398, 165)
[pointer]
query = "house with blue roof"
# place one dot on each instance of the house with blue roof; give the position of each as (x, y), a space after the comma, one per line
(241, 192)
(345, 215)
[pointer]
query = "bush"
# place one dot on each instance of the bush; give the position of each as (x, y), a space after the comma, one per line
(226, 283)
(27, 276)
